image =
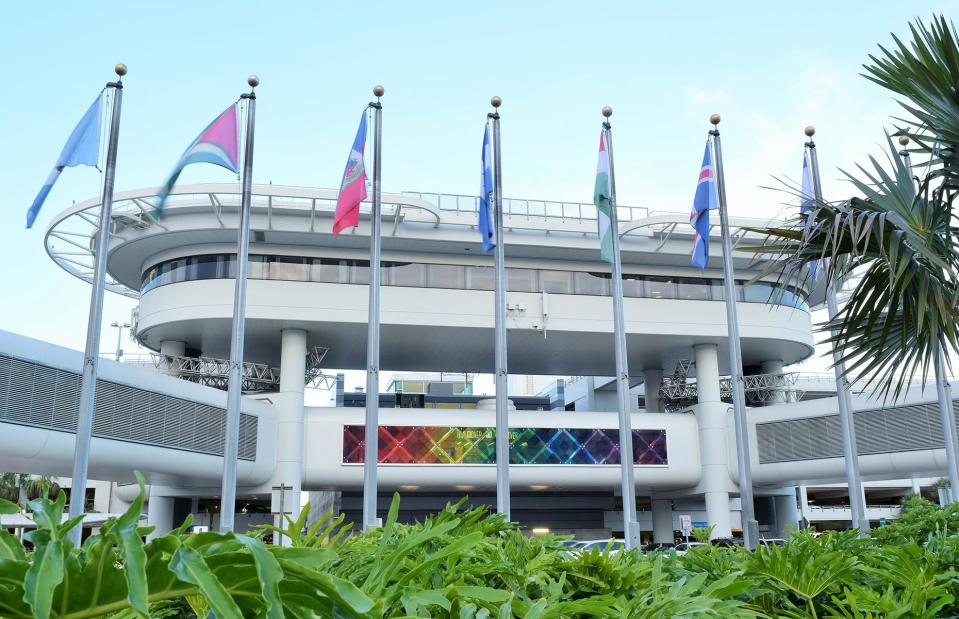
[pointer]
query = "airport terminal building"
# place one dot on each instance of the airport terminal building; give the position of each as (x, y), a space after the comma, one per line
(307, 312)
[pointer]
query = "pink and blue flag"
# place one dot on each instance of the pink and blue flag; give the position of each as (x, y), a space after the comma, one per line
(82, 148)
(703, 202)
(217, 144)
(353, 185)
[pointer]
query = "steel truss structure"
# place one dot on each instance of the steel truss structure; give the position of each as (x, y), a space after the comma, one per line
(679, 392)
(257, 377)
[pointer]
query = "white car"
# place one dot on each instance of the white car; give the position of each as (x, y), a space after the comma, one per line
(683, 548)
(614, 545)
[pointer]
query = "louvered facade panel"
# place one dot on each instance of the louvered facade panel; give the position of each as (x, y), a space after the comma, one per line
(36, 395)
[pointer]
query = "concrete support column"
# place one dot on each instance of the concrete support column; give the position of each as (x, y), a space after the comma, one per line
(779, 395)
(591, 393)
(159, 513)
(662, 521)
(171, 348)
(711, 413)
(916, 487)
(289, 430)
(652, 381)
(787, 513)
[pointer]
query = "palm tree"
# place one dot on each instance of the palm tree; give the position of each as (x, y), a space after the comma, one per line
(20, 487)
(897, 240)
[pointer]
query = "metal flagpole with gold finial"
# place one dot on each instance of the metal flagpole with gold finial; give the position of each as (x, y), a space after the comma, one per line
(372, 424)
(847, 427)
(943, 389)
(631, 531)
(747, 510)
(91, 354)
(500, 359)
(231, 448)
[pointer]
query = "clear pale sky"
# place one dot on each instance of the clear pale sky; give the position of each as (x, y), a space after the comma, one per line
(769, 68)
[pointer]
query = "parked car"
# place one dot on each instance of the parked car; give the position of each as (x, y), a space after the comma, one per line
(603, 545)
(685, 547)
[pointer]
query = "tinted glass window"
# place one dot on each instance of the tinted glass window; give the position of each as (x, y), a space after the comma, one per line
(446, 276)
(693, 289)
(456, 277)
(592, 283)
(660, 287)
(259, 267)
(633, 285)
(287, 268)
(404, 274)
(479, 278)
(522, 280)
(329, 270)
(557, 282)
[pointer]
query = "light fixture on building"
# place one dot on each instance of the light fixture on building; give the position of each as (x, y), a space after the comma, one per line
(409, 487)
(538, 487)
(465, 487)
(540, 530)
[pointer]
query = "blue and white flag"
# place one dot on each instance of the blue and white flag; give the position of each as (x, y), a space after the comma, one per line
(485, 224)
(704, 201)
(82, 148)
(807, 198)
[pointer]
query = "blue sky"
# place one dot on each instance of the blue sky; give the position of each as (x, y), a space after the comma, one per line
(769, 68)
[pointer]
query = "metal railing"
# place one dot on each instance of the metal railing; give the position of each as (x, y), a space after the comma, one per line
(520, 207)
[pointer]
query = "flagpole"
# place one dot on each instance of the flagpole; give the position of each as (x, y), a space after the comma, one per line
(750, 525)
(943, 389)
(372, 425)
(500, 361)
(631, 531)
(231, 441)
(847, 427)
(91, 354)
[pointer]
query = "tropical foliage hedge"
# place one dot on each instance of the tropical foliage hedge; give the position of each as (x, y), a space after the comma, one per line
(465, 563)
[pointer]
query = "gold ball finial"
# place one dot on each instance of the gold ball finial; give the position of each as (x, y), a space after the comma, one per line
(496, 101)
(121, 69)
(714, 119)
(607, 111)
(253, 81)
(903, 140)
(810, 131)
(378, 91)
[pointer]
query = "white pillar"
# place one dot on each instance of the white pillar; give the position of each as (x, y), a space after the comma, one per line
(289, 457)
(159, 513)
(711, 414)
(916, 487)
(662, 521)
(787, 513)
(652, 381)
(171, 348)
(775, 366)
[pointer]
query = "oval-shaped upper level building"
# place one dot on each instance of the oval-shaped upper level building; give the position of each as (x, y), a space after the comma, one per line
(437, 299)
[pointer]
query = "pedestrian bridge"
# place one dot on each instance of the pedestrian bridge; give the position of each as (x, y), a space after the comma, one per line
(172, 431)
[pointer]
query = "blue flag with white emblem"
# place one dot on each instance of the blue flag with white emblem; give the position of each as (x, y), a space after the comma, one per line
(485, 224)
(703, 202)
(82, 148)
(807, 199)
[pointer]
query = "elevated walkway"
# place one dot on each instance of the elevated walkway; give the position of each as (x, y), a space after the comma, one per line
(172, 431)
